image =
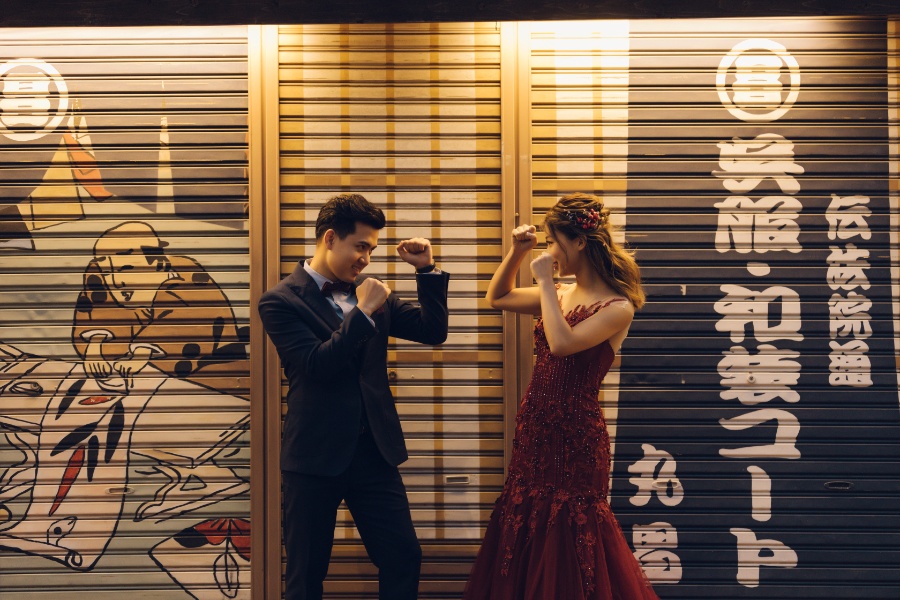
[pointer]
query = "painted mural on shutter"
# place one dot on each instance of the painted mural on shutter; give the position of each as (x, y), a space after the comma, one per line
(124, 462)
(409, 117)
(757, 432)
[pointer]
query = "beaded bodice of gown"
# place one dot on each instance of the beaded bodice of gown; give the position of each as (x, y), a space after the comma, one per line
(561, 444)
(560, 461)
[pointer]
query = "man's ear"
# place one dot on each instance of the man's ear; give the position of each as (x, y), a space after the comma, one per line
(328, 239)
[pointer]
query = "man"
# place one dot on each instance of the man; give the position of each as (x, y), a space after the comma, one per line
(140, 305)
(342, 438)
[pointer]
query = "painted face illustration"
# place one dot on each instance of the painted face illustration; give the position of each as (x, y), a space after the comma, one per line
(132, 263)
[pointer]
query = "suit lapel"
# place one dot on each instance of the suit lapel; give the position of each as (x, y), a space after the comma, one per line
(306, 289)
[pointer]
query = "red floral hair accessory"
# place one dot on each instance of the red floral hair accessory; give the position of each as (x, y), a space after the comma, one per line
(585, 219)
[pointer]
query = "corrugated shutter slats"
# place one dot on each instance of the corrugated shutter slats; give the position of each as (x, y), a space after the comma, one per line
(409, 116)
(123, 155)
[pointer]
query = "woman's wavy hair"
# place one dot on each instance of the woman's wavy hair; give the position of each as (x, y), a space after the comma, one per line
(581, 215)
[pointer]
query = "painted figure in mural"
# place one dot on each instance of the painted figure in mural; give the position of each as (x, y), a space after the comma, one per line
(342, 437)
(552, 534)
(66, 422)
(142, 306)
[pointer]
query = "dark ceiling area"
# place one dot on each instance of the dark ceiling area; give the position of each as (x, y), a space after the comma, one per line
(76, 13)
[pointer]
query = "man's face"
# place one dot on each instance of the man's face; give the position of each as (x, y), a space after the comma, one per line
(346, 258)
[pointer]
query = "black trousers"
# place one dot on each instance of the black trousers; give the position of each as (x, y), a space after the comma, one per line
(376, 497)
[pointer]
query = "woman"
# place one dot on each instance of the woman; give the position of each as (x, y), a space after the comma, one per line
(552, 535)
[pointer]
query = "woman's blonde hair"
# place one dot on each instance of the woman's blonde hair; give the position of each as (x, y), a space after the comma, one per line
(583, 216)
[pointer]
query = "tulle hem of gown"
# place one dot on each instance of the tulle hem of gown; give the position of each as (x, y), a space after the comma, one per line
(555, 549)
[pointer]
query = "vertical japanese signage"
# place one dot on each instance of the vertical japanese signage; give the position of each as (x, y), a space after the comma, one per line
(757, 420)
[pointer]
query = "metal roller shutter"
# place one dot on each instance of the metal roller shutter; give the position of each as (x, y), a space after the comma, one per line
(124, 273)
(757, 452)
(755, 418)
(754, 407)
(409, 116)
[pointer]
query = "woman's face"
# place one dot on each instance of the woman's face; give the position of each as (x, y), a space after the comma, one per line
(565, 252)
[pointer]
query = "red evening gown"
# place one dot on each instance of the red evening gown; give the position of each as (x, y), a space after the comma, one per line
(552, 535)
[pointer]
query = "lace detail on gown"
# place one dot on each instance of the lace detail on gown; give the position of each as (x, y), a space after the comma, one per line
(558, 482)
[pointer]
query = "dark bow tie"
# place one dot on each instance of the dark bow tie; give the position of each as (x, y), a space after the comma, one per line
(337, 286)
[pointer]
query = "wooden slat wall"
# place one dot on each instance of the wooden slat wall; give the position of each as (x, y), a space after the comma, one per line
(109, 491)
(409, 116)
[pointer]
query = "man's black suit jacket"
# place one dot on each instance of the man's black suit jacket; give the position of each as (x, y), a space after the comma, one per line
(335, 368)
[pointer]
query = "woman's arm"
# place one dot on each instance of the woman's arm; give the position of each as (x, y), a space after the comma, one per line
(561, 337)
(502, 292)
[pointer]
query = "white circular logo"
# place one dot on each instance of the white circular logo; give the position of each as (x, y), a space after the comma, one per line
(751, 84)
(33, 99)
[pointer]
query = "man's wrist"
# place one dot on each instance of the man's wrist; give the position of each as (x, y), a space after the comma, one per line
(426, 268)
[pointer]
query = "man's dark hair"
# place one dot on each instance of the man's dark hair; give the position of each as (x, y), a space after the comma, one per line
(343, 212)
